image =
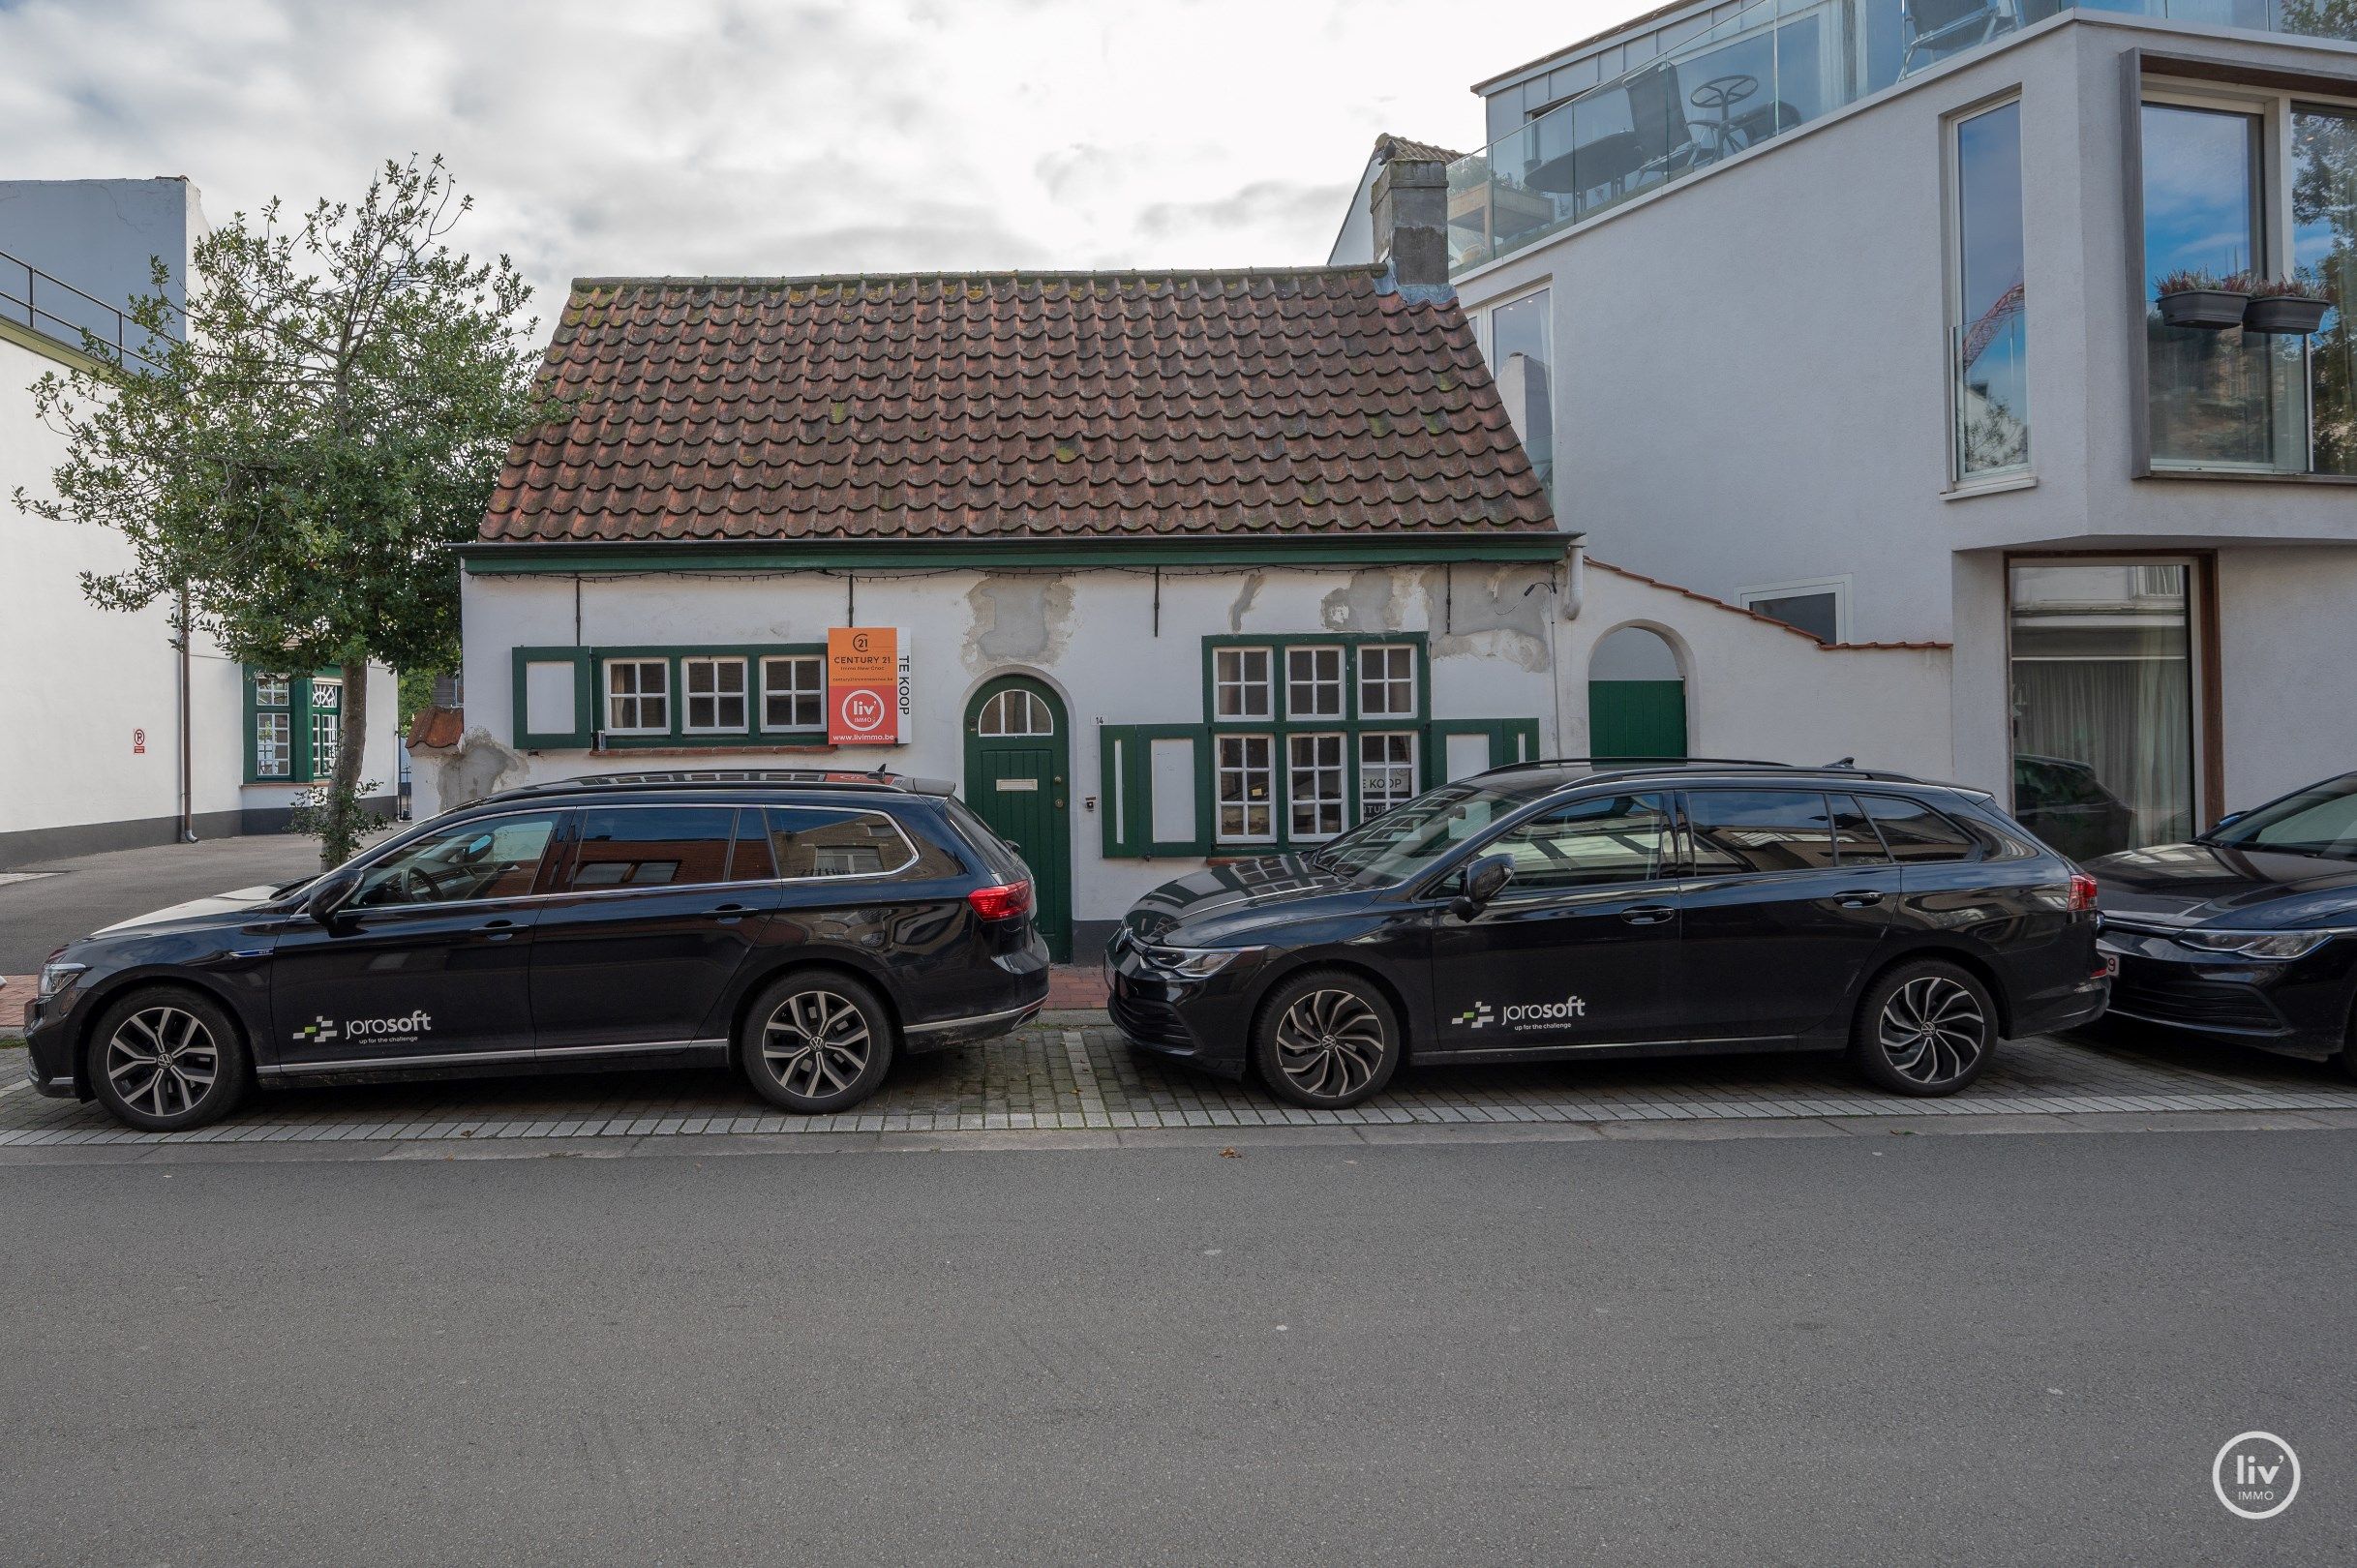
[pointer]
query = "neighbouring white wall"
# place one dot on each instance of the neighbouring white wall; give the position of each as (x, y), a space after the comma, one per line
(2287, 630)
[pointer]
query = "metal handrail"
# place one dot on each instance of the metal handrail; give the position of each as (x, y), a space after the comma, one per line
(64, 329)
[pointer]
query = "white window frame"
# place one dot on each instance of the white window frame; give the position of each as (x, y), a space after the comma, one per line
(1224, 681)
(1337, 682)
(326, 732)
(1039, 719)
(1387, 680)
(1339, 800)
(1838, 587)
(607, 695)
(1952, 290)
(1367, 807)
(1244, 772)
(264, 686)
(794, 691)
(283, 743)
(689, 666)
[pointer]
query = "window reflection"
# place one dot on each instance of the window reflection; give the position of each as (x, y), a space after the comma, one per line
(2324, 238)
(1991, 333)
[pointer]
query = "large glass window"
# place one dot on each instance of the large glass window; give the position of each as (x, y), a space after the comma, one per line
(2212, 396)
(1991, 346)
(2324, 241)
(2102, 678)
(1522, 361)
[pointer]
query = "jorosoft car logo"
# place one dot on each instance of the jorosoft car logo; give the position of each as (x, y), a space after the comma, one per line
(323, 1029)
(1524, 1014)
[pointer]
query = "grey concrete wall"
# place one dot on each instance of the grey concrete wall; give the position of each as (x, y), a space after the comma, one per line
(98, 235)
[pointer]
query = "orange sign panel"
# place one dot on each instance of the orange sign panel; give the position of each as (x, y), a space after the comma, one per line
(866, 696)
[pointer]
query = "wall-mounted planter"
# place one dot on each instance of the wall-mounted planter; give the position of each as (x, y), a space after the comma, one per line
(2209, 310)
(2286, 316)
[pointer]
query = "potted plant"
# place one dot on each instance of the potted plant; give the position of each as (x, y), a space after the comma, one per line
(2293, 306)
(2203, 299)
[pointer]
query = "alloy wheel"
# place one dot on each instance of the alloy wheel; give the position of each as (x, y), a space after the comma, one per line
(815, 1043)
(162, 1061)
(1932, 1029)
(1329, 1043)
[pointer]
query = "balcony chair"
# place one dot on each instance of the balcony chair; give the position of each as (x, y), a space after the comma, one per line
(1934, 26)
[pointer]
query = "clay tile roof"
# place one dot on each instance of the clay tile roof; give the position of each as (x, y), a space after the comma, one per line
(1315, 402)
(1389, 148)
(437, 728)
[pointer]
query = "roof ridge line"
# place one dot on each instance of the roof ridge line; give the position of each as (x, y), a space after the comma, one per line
(750, 279)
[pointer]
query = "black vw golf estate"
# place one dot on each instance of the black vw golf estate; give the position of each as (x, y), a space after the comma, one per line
(803, 925)
(1570, 909)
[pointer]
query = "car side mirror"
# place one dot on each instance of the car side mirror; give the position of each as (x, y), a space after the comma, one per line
(1484, 879)
(331, 894)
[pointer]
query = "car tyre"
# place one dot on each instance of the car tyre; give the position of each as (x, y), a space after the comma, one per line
(164, 1060)
(1327, 1040)
(817, 1041)
(1926, 1028)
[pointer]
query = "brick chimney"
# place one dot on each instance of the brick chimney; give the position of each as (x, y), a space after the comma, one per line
(1410, 208)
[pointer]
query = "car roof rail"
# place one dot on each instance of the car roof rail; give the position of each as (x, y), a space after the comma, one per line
(706, 778)
(1607, 767)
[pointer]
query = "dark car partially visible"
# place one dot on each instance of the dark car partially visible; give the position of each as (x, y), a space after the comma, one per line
(2246, 933)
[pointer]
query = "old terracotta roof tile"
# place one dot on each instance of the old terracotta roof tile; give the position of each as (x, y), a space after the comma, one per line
(1036, 405)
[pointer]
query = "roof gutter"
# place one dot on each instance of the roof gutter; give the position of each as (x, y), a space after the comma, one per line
(539, 557)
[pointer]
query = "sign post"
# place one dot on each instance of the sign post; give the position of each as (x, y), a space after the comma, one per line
(867, 694)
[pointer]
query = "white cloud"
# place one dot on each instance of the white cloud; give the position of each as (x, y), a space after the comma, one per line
(604, 137)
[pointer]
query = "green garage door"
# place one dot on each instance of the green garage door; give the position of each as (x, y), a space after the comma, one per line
(1636, 718)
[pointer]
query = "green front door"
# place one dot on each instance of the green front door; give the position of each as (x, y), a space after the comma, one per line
(1019, 767)
(1636, 718)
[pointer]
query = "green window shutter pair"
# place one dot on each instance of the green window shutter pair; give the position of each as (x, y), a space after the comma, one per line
(556, 699)
(1155, 799)
(1507, 742)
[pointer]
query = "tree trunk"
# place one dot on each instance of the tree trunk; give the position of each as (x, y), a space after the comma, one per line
(341, 822)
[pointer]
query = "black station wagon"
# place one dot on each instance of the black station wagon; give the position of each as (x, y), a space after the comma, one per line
(1582, 908)
(805, 927)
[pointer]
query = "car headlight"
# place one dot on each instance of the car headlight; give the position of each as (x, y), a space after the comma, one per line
(1195, 962)
(57, 977)
(2257, 943)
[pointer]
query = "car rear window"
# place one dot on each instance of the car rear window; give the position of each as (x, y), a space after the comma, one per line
(1916, 833)
(822, 841)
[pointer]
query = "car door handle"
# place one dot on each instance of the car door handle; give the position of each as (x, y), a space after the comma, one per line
(1857, 898)
(729, 914)
(497, 930)
(1648, 914)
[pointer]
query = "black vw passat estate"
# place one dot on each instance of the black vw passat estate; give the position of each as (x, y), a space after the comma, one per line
(2248, 932)
(805, 927)
(1570, 909)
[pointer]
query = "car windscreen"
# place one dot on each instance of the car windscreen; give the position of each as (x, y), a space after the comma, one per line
(1407, 838)
(2320, 821)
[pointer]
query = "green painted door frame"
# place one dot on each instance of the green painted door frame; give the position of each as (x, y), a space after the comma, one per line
(1021, 785)
(1636, 718)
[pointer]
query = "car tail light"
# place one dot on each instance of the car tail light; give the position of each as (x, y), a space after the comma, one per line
(2083, 892)
(1005, 901)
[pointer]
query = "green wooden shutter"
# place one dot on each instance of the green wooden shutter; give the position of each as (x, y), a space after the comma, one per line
(583, 728)
(1129, 757)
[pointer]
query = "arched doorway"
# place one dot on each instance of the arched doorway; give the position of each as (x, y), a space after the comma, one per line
(1018, 764)
(1636, 696)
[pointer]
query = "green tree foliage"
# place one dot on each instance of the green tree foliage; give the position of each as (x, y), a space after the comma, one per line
(300, 445)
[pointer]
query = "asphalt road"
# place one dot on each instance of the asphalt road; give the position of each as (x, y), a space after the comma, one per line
(1955, 1349)
(92, 890)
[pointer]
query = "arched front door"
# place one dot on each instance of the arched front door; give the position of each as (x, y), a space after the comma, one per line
(1636, 697)
(1019, 768)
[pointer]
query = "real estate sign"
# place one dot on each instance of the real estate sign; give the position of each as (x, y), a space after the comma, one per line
(867, 688)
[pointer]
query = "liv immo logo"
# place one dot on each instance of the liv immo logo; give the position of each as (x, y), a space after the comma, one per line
(2256, 1475)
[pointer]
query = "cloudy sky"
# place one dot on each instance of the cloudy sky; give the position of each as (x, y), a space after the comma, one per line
(780, 135)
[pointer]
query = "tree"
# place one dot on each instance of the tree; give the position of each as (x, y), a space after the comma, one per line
(299, 445)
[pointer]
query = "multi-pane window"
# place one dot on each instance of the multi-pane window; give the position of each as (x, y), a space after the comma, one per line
(715, 695)
(638, 696)
(1240, 684)
(793, 692)
(1314, 683)
(273, 727)
(1387, 680)
(1387, 771)
(327, 725)
(1245, 789)
(1314, 785)
(1015, 714)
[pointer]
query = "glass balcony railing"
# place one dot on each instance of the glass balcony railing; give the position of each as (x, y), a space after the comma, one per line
(1772, 66)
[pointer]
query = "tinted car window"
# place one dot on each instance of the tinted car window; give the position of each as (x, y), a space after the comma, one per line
(652, 846)
(1854, 840)
(1619, 838)
(749, 860)
(817, 841)
(1917, 833)
(995, 856)
(1736, 831)
(496, 859)
(2321, 820)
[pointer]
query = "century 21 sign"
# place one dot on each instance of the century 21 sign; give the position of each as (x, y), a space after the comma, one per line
(867, 687)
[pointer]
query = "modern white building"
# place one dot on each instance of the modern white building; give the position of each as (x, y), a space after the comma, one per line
(1848, 311)
(112, 735)
(1160, 569)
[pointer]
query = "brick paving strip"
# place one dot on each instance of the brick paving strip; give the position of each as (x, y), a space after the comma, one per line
(1071, 1082)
